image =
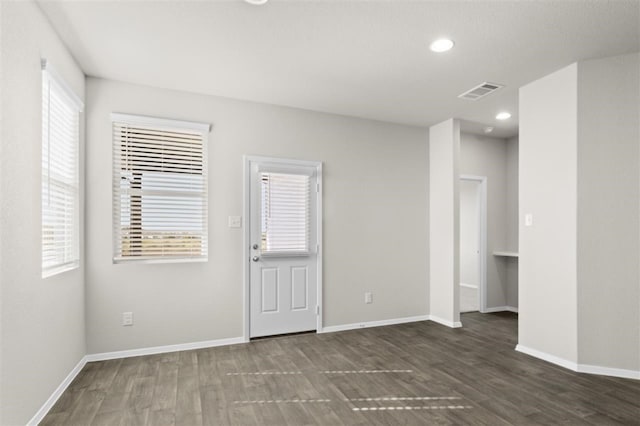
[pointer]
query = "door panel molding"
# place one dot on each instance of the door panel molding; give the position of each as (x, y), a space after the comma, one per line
(299, 287)
(283, 164)
(270, 290)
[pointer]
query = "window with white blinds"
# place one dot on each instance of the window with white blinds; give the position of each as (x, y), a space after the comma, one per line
(60, 188)
(159, 189)
(285, 213)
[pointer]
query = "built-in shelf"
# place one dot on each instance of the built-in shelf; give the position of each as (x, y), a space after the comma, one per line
(506, 253)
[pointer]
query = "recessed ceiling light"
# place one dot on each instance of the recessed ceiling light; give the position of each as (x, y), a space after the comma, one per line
(256, 2)
(441, 45)
(503, 116)
(488, 129)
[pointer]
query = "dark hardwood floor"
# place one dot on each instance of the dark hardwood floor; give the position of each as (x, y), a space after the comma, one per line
(418, 374)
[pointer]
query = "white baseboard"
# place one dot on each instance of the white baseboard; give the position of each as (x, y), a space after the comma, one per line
(580, 368)
(450, 324)
(500, 309)
(57, 393)
(368, 324)
(607, 371)
(548, 357)
(164, 349)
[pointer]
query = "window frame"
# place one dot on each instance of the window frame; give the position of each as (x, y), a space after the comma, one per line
(157, 124)
(67, 158)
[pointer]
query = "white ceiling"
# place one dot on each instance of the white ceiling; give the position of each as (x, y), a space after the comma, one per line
(359, 58)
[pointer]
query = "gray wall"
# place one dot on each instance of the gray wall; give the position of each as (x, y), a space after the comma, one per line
(548, 181)
(375, 221)
(608, 212)
(444, 181)
(42, 320)
(580, 177)
(487, 156)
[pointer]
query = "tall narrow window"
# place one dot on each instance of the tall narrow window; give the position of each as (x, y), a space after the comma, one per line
(285, 214)
(60, 194)
(159, 189)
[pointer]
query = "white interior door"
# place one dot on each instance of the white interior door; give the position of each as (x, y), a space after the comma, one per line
(283, 257)
(469, 245)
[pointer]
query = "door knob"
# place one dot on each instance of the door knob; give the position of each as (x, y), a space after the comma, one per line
(255, 247)
(255, 258)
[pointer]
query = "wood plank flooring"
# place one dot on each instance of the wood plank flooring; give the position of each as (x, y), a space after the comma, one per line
(411, 374)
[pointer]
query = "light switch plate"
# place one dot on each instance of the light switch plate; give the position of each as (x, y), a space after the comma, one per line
(528, 219)
(127, 318)
(235, 221)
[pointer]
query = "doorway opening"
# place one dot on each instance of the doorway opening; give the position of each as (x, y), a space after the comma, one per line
(473, 244)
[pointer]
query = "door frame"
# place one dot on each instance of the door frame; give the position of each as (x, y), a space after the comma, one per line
(246, 250)
(482, 288)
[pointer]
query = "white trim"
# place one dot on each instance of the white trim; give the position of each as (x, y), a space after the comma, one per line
(473, 286)
(58, 269)
(246, 250)
(608, 371)
(54, 76)
(500, 309)
(50, 402)
(548, 357)
(164, 349)
(506, 253)
(442, 321)
(320, 246)
(161, 122)
(368, 324)
(282, 161)
(148, 259)
(482, 288)
(580, 368)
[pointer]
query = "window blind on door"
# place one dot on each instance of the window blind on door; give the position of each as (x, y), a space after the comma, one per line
(285, 213)
(60, 194)
(159, 189)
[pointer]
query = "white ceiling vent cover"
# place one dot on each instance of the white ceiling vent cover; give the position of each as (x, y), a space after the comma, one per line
(480, 91)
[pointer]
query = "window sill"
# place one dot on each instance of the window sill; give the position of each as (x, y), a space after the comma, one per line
(50, 272)
(145, 260)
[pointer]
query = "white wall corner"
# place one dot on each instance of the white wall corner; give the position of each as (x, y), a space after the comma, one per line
(50, 402)
(444, 177)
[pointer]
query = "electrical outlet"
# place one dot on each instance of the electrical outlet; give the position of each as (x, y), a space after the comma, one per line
(368, 297)
(127, 318)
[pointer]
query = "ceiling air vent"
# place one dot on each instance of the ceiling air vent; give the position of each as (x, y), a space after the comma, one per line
(480, 91)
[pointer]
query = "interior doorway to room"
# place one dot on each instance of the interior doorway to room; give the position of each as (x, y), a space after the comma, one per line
(472, 294)
(282, 246)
